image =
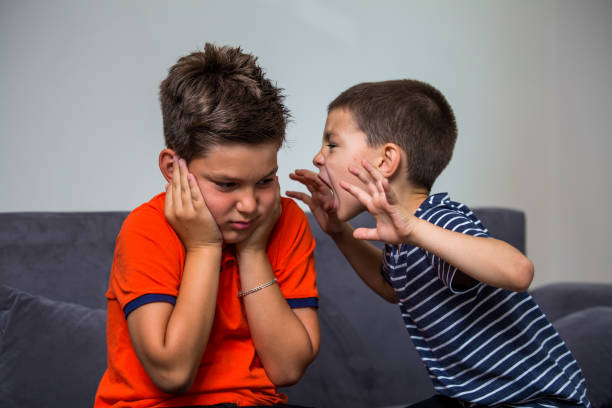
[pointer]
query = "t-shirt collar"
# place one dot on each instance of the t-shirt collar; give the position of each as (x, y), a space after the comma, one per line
(432, 201)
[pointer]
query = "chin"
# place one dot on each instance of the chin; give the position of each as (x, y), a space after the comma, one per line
(346, 213)
(233, 237)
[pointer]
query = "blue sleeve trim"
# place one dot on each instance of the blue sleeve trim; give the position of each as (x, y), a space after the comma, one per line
(148, 298)
(303, 302)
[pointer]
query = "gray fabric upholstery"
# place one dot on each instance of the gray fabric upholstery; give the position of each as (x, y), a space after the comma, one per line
(561, 299)
(582, 313)
(366, 360)
(588, 334)
(64, 256)
(357, 365)
(505, 224)
(381, 366)
(52, 353)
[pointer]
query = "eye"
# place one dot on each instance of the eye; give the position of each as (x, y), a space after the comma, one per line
(225, 186)
(266, 181)
(331, 145)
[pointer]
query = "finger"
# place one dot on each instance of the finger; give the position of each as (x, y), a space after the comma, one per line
(194, 190)
(356, 192)
(369, 234)
(277, 188)
(314, 186)
(365, 178)
(298, 178)
(372, 170)
(185, 189)
(168, 201)
(303, 197)
(305, 173)
(176, 185)
(389, 193)
(375, 174)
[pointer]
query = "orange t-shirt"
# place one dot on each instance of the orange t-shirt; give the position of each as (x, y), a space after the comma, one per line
(148, 267)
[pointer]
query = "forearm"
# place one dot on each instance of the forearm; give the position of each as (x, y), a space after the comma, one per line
(366, 260)
(283, 343)
(170, 344)
(487, 260)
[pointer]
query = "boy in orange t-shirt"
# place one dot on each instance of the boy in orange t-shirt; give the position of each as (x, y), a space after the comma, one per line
(212, 296)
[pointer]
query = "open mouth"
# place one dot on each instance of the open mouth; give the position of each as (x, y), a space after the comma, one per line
(334, 203)
(327, 183)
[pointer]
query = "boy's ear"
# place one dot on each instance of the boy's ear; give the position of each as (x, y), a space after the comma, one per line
(166, 163)
(390, 159)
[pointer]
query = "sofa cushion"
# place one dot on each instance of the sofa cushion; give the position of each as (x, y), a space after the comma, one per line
(52, 353)
(564, 298)
(588, 335)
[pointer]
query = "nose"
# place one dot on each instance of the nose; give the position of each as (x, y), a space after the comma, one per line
(247, 202)
(318, 160)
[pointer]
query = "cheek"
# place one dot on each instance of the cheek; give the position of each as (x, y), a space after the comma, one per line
(267, 199)
(218, 204)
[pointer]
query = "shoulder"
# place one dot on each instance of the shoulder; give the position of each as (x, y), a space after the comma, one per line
(451, 215)
(152, 209)
(148, 221)
(292, 215)
(292, 228)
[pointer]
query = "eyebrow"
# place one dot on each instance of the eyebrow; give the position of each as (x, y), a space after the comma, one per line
(225, 177)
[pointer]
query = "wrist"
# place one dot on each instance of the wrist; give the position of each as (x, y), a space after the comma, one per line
(416, 230)
(345, 230)
(204, 250)
(251, 254)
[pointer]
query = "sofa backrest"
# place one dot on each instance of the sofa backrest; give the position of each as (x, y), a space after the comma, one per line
(63, 256)
(67, 256)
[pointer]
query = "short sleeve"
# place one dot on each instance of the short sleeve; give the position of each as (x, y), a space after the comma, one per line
(465, 224)
(384, 268)
(148, 261)
(291, 251)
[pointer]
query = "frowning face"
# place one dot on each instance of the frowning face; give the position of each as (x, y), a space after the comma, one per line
(239, 185)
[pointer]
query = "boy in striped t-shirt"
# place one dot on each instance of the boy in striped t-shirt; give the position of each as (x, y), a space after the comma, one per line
(462, 294)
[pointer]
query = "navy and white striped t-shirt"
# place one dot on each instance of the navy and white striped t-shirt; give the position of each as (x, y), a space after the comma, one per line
(483, 345)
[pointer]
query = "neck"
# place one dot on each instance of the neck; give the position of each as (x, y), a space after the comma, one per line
(413, 197)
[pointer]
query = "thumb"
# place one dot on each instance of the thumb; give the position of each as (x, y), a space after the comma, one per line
(366, 234)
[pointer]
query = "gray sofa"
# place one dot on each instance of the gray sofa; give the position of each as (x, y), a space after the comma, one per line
(53, 275)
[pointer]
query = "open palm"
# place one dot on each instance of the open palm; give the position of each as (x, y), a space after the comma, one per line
(320, 202)
(394, 223)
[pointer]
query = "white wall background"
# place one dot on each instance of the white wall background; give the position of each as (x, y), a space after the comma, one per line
(530, 83)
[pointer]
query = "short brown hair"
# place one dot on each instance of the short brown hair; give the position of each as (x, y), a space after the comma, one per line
(220, 96)
(412, 114)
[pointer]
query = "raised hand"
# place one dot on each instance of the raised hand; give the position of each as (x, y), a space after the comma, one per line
(394, 222)
(186, 210)
(320, 202)
(258, 239)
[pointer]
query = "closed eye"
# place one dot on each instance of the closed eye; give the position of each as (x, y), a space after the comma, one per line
(225, 186)
(266, 181)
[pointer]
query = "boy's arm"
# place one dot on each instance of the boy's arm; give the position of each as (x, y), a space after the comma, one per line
(487, 260)
(364, 257)
(366, 260)
(286, 340)
(170, 340)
